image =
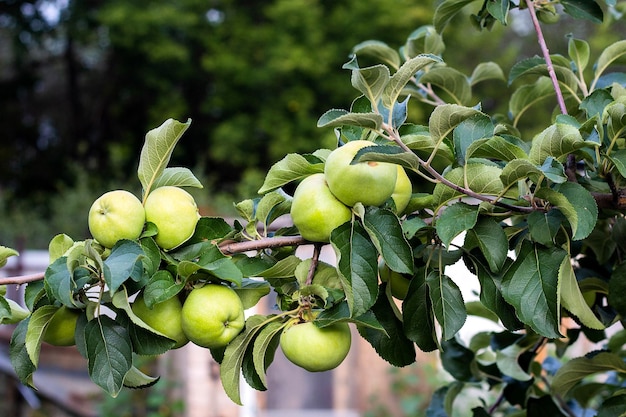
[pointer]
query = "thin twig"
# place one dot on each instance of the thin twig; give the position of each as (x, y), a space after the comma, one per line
(546, 56)
(231, 247)
(317, 249)
(22, 279)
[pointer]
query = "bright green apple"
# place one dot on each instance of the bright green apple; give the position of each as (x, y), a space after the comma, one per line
(212, 316)
(398, 283)
(315, 211)
(164, 317)
(313, 348)
(370, 183)
(116, 215)
(62, 327)
(402, 191)
(175, 214)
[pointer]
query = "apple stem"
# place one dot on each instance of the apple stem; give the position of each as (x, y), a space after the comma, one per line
(317, 249)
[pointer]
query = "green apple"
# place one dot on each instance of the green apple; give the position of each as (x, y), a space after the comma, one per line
(62, 327)
(315, 211)
(212, 316)
(398, 283)
(164, 317)
(175, 214)
(370, 183)
(402, 191)
(313, 348)
(116, 215)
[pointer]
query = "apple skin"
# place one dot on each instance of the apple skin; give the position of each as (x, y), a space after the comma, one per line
(116, 215)
(212, 316)
(62, 327)
(370, 183)
(316, 349)
(164, 317)
(398, 283)
(315, 211)
(174, 212)
(403, 191)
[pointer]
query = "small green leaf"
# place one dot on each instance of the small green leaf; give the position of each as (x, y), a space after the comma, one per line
(492, 242)
(20, 359)
(578, 51)
(480, 178)
(251, 291)
(265, 345)
(136, 379)
(519, 169)
(583, 9)
(405, 73)
(120, 265)
(57, 247)
(574, 370)
(417, 316)
(357, 262)
(507, 360)
(160, 287)
(557, 141)
(528, 96)
(338, 118)
(378, 50)
(59, 283)
(452, 81)
(457, 360)
(109, 353)
(454, 220)
(292, 167)
(385, 232)
(447, 302)
(36, 328)
(444, 118)
(486, 71)
(572, 298)
(371, 81)
(544, 226)
(157, 150)
(446, 11)
(177, 177)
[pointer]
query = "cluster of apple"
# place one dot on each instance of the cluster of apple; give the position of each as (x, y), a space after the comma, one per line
(323, 202)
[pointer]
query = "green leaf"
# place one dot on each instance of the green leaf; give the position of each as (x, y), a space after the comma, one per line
(251, 291)
(212, 261)
(527, 96)
(292, 167)
(385, 231)
(469, 132)
(387, 153)
(357, 262)
(452, 81)
(109, 353)
(371, 81)
(572, 298)
(446, 11)
(18, 354)
(486, 71)
(265, 345)
(6, 253)
(405, 73)
(378, 50)
(417, 316)
(340, 312)
(454, 220)
(531, 286)
(574, 370)
(457, 360)
(499, 9)
(519, 169)
(492, 241)
(577, 205)
(11, 312)
(447, 302)
(578, 51)
(391, 345)
(230, 368)
(57, 247)
(160, 287)
(423, 40)
(544, 226)
(157, 150)
(480, 178)
(613, 407)
(121, 263)
(608, 56)
(583, 9)
(59, 283)
(36, 328)
(136, 379)
(495, 147)
(444, 118)
(508, 363)
(285, 268)
(177, 177)
(557, 141)
(339, 118)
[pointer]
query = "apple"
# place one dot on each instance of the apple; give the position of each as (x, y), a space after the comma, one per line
(370, 183)
(116, 215)
(175, 214)
(313, 348)
(403, 191)
(164, 317)
(398, 283)
(62, 327)
(315, 211)
(212, 316)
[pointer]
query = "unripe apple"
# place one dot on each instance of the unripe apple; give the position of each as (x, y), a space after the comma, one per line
(402, 191)
(398, 283)
(174, 212)
(164, 317)
(315, 211)
(116, 215)
(370, 183)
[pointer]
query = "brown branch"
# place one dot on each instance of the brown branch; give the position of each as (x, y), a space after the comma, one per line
(317, 249)
(232, 247)
(22, 279)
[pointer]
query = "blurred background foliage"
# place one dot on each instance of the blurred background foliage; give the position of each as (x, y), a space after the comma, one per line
(81, 82)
